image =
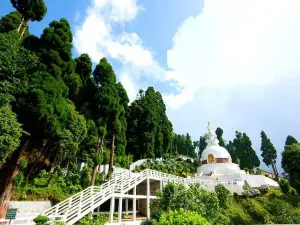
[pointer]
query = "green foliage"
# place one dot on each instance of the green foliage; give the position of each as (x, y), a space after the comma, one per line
(147, 222)
(83, 67)
(195, 199)
(285, 186)
(18, 181)
(290, 140)
(244, 151)
(202, 145)
(40, 220)
(89, 220)
(11, 132)
(85, 178)
(181, 217)
(33, 10)
(219, 133)
(291, 164)
(224, 195)
(11, 22)
(269, 153)
(175, 166)
(149, 132)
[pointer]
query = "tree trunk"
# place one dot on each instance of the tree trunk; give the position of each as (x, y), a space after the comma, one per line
(52, 170)
(274, 170)
(27, 23)
(19, 28)
(112, 153)
(8, 182)
(36, 161)
(94, 173)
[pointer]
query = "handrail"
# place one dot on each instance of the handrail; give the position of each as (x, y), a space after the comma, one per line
(75, 207)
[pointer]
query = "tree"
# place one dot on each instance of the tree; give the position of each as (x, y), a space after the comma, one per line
(231, 149)
(219, 133)
(189, 148)
(31, 10)
(290, 140)
(149, 131)
(244, 151)
(181, 217)
(291, 164)
(11, 22)
(224, 195)
(83, 67)
(11, 132)
(109, 102)
(269, 153)
(15, 64)
(202, 145)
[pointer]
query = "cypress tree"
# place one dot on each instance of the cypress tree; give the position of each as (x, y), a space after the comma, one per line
(219, 133)
(269, 153)
(244, 151)
(290, 140)
(31, 10)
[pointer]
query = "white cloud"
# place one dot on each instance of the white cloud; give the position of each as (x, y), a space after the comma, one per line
(100, 36)
(234, 43)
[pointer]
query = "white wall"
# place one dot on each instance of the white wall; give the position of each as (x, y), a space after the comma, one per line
(29, 208)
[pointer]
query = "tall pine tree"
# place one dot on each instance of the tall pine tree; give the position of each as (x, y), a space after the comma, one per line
(268, 153)
(245, 152)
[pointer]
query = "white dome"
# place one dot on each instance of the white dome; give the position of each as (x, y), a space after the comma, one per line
(217, 151)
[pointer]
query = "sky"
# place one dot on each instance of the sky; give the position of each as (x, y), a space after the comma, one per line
(234, 63)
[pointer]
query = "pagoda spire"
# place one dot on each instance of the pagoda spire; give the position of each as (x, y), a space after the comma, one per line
(210, 136)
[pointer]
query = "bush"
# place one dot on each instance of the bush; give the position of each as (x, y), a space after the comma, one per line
(40, 220)
(18, 181)
(147, 222)
(284, 186)
(181, 217)
(224, 195)
(90, 220)
(194, 198)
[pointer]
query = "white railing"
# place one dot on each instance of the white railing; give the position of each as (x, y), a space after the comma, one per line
(77, 206)
(24, 220)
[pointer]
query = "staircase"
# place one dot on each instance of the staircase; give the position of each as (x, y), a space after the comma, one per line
(79, 205)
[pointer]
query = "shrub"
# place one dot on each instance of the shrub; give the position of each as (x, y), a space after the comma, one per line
(181, 217)
(18, 180)
(284, 186)
(224, 195)
(90, 220)
(147, 222)
(40, 220)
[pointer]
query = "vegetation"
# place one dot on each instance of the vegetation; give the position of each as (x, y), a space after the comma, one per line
(220, 207)
(58, 113)
(176, 166)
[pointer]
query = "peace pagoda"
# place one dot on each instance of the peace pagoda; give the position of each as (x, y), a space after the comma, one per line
(216, 164)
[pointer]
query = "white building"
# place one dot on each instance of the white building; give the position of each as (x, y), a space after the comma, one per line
(216, 164)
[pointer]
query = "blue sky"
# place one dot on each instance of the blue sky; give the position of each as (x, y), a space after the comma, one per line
(235, 64)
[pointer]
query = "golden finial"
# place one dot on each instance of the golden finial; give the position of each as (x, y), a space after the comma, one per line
(208, 123)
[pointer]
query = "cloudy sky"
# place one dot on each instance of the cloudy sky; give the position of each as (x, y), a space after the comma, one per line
(235, 63)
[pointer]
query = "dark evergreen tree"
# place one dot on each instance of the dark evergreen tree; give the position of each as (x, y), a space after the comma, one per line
(291, 164)
(149, 129)
(110, 106)
(245, 152)
(83, 67)
(290, 140)
(219, 133)
(31, 10)
(269, 153)
(11, 22)
(202, 145)
(231, 149)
